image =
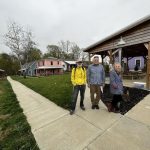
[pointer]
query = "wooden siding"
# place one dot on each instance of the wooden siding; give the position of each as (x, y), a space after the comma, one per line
(136, 35)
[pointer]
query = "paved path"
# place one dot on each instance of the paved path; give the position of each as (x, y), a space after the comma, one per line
(55, 129)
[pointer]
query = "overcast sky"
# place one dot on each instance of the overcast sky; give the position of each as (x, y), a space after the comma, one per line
(81, 21)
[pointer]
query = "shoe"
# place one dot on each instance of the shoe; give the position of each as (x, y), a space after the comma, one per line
(82, 107)
(109, 107)
(71, 112)
(96, 106)
(93, 107)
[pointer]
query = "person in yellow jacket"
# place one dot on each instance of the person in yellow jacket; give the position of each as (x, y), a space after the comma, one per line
(78, 79)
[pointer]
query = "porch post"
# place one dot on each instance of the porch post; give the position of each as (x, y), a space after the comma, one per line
(89, 58)
(120, 55)
(127, 64)
(102, 56)
(148, 68)
(110, 57)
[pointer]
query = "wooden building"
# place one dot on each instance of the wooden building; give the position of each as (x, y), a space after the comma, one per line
(132, 41)
(68, 65)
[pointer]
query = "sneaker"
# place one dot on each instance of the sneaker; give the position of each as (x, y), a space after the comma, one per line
(82, 107)
(93, 107)
(96, 106)
(71, 112)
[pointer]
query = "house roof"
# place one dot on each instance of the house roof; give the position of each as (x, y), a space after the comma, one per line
(51, 58)
(54, 58)
(70, 62)
(119, 32)
(50, 67)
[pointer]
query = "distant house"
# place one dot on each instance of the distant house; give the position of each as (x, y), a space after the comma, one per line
(43, 67)
(2, 72)
(29, 68)
(49, 66)
(68, 65)
(134, 61)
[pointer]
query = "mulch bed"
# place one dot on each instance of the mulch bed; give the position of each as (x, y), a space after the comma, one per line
(135, 96)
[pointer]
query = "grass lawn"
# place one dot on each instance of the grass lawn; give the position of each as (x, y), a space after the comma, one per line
(57, 88)
(15, 132)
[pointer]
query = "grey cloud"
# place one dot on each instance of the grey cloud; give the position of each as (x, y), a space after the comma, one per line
(80, 21)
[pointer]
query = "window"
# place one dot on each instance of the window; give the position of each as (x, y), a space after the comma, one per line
(124, 65)
(51, 63)
(58, 62)
(138, 62)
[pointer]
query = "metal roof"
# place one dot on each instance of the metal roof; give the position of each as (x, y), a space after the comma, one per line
(71, 62)
(50, 67)
(119, 32)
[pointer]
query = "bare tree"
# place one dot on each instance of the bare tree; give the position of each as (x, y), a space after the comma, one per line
(14, 39)
(69, 50)
(84, 55)
(76, 51)
(65, 46)
(19, 41)
(28, 44)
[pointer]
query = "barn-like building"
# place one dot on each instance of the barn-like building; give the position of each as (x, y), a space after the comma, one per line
(132, 41)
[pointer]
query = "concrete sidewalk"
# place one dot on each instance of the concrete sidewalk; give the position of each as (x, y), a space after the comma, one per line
(55, 129)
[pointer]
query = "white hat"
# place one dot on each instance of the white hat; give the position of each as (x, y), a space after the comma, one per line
(79, 61)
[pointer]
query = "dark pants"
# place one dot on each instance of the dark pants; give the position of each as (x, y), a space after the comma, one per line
(116, 100)
(76, 90)
(95, 89)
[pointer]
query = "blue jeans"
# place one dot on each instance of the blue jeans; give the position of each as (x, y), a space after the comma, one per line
(76, 90)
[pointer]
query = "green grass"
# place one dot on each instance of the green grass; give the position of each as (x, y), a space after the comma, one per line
(57, 88)
(15, 132)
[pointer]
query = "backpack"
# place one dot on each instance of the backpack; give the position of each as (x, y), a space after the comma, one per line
(75, 69)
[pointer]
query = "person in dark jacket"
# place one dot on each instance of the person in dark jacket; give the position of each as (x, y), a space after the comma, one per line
(116, 87)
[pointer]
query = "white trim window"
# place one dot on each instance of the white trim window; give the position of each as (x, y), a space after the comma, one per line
(138, 62)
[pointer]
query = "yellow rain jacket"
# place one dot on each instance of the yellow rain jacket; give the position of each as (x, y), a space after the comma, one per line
(78, 76)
